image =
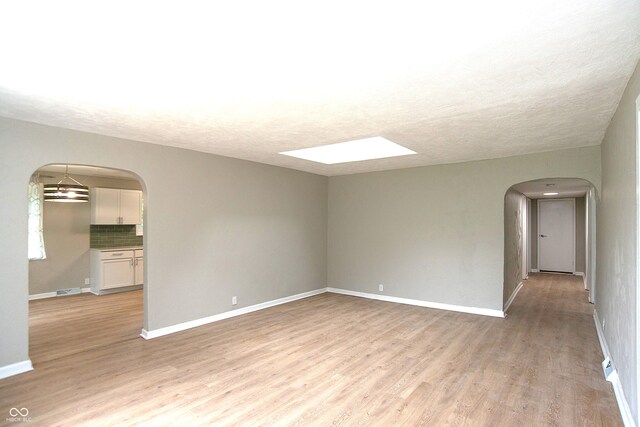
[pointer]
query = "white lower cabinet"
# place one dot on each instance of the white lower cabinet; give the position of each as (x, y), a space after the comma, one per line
(138, 272)
(117, 273)
(114, 268)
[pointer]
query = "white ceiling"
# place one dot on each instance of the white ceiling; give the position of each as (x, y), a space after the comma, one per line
(453, 81)
(565, 187)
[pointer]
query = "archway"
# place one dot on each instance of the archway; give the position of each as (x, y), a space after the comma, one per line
(521, 236)
(77, 237)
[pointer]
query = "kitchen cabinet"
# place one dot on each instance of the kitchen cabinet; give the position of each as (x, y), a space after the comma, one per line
(138, 264)
(117, 273)
(110, 206)
(112, 269)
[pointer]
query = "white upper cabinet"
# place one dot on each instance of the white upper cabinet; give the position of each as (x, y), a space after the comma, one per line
(130, 207)
(113, 206)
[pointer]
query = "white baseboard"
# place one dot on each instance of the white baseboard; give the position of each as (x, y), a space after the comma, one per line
(42, 296)
(217, 317)
(15, 369)
(584, 277)
(513, 296)
(155, 333)
(420, 303)
(116, 290)
(623, 404)
(53, 294)
(535, 270)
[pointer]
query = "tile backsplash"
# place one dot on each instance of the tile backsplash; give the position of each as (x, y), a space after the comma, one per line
(113, 236)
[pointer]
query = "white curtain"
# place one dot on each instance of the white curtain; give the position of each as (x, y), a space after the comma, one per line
(36, 238)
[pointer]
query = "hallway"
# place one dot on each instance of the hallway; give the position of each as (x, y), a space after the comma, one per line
(331, 359)
(560, 355)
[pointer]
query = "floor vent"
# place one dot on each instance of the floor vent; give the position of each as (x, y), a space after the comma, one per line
(70, 291)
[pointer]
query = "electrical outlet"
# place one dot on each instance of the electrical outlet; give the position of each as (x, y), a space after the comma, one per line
(234, 300)
(381, 288)
(87, 281)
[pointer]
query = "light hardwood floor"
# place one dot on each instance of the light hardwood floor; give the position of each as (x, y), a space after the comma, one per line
(325, 360)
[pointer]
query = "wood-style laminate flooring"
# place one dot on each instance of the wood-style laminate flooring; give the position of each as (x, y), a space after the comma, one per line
(324, 360)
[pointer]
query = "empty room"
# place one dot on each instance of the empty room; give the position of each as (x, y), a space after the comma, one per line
(333, 213)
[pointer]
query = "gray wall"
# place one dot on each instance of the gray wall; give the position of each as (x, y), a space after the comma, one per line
(215, 227)
(66, 238)
(580, 222)
(514, 210)
(616, 240)
(580, 234)
(534, 234)
(591, 253)
(435, 233)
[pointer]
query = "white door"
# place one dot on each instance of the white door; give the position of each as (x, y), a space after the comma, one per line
(556, 235)
(130, 206)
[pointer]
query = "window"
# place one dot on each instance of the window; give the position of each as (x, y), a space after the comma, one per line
(36, 237)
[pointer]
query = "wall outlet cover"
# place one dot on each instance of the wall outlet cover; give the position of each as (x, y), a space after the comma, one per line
(381, 288)
(87, 281)
(234, 300)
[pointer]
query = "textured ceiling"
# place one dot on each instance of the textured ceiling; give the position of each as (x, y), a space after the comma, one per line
(453, 81)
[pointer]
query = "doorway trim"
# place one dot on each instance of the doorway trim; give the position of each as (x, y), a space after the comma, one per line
(573, 230)
(637, 253)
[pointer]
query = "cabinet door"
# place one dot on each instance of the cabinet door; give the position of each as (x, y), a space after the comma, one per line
(139, 271)
(105, 206)
(117, 273)
(131, 206)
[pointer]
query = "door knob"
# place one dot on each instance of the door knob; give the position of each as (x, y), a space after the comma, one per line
(543, 235)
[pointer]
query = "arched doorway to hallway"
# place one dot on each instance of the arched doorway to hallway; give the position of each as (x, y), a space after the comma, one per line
(549, 226)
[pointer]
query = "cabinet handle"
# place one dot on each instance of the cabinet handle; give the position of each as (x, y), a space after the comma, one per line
(131, 262)
(136, 261)
(118, 254)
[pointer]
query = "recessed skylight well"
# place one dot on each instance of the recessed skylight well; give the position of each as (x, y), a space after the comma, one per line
(376, 147)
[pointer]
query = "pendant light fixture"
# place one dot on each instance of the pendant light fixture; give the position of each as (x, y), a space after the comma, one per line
(66, 193)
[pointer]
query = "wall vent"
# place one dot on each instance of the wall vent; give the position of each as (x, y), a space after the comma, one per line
(610, 373)
(69, 291)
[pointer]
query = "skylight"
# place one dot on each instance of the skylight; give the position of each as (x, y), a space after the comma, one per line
(376, 147)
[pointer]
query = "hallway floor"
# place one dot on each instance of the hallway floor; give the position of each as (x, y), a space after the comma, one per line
(325, 360)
